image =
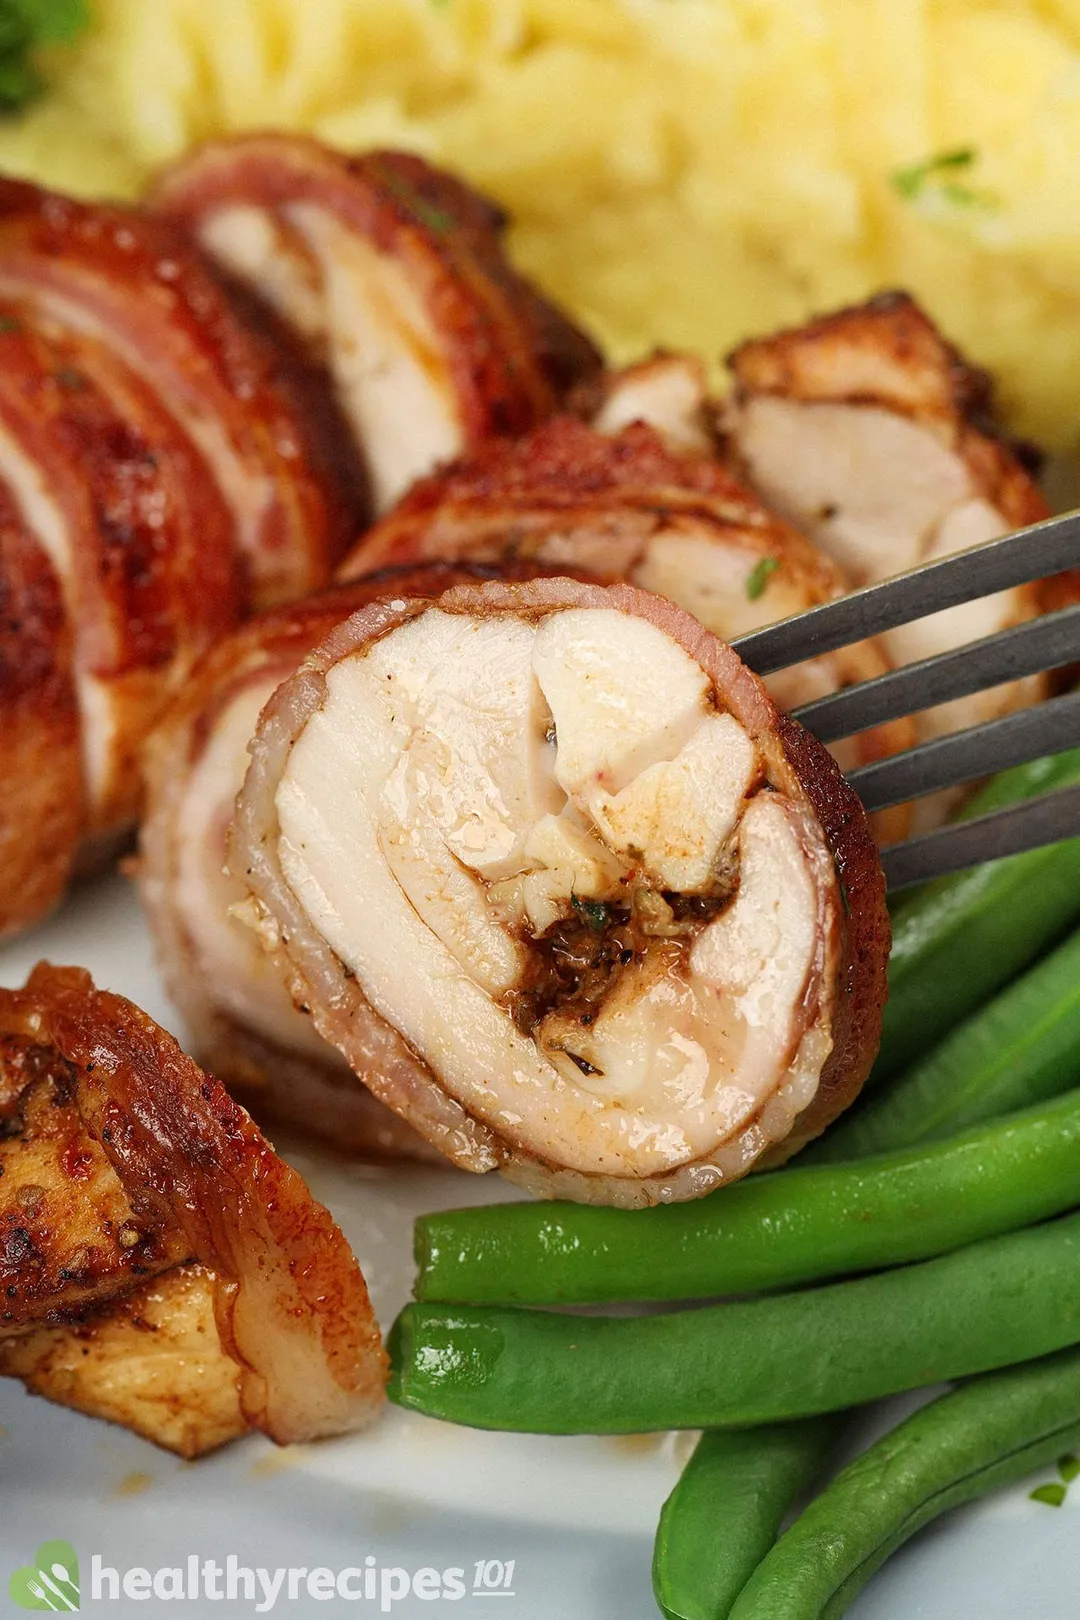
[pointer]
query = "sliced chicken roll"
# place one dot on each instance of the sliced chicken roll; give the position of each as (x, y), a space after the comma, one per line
(160, 1265)
(393, 273)
(872, 434)
(241, 1021)
(629, 507)
(118, 568)
(138, 288)
(566, 890)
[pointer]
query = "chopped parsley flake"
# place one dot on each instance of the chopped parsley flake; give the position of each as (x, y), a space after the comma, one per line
(759, 575)
(592, 912)
(937, 177)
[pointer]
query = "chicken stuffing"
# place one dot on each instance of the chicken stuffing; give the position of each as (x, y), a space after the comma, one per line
(564, 887)
(161, 1266)
(868, 431)
(393, 274)
(630, 507)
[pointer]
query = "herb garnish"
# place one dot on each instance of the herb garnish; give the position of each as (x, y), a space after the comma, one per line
(24, 26)
(759, 575)
(936, 177)
(592, 912)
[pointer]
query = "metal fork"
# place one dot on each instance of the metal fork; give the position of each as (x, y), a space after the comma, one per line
(1046, 643)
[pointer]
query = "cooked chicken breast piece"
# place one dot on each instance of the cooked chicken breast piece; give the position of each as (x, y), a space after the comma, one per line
(393, 273)
(668, 392)
(134, 1190)
(151, 1360)
(872, 434)
(629, 507)
(565, 888)
(241, 1021)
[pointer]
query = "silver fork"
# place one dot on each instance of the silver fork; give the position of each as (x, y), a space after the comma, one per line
(1046, 643)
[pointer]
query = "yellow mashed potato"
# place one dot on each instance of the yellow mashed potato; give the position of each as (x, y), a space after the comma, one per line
(680, 172)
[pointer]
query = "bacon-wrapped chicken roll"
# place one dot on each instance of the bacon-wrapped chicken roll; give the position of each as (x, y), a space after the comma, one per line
(873, 435)
(136, 285)
(631, 507)
(565, 888)
(394, 274)
(161, 1266)
(156, 481)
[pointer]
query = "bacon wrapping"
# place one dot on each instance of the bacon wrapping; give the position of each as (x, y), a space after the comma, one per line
(160, 1264)
(872, 434)
(393, 274)
(157, 480)
(565, 888)
(240, 1019)
(631, 507)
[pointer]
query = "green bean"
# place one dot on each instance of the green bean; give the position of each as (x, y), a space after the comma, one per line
(988, 1433)
(1021, 1048)
(723, 1515)
(766, 1232)
(958, 940)
(754, 1361)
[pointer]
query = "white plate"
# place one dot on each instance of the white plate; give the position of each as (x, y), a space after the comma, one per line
(576, 1516)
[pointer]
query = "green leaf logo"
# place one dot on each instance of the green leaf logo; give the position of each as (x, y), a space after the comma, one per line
(51, 1582)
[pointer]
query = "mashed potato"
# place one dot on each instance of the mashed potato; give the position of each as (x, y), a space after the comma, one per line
(681, 172)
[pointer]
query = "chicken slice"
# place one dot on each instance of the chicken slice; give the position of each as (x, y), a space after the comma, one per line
(627, 507)
(123, 1162)
(109, 497)
(241, 1020)
(668, 392)
(393, 273)
(137, 287)
(870, 432)
(152, 1361)
(722, 1000)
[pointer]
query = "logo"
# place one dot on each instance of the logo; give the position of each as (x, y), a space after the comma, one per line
(51, 1582)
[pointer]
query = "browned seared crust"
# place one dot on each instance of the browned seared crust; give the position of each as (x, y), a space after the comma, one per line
(795, 762)
(167, 314)
(519, 500)
(192, 1177)
(513, 354)
(40, 750)
(888, 352)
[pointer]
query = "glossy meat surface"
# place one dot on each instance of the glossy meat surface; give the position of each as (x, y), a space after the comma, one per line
(123, 1160)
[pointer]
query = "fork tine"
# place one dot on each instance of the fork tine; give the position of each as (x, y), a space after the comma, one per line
(1025, 649)
(1046, 548)
(1048, 728)
(1032, 825)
